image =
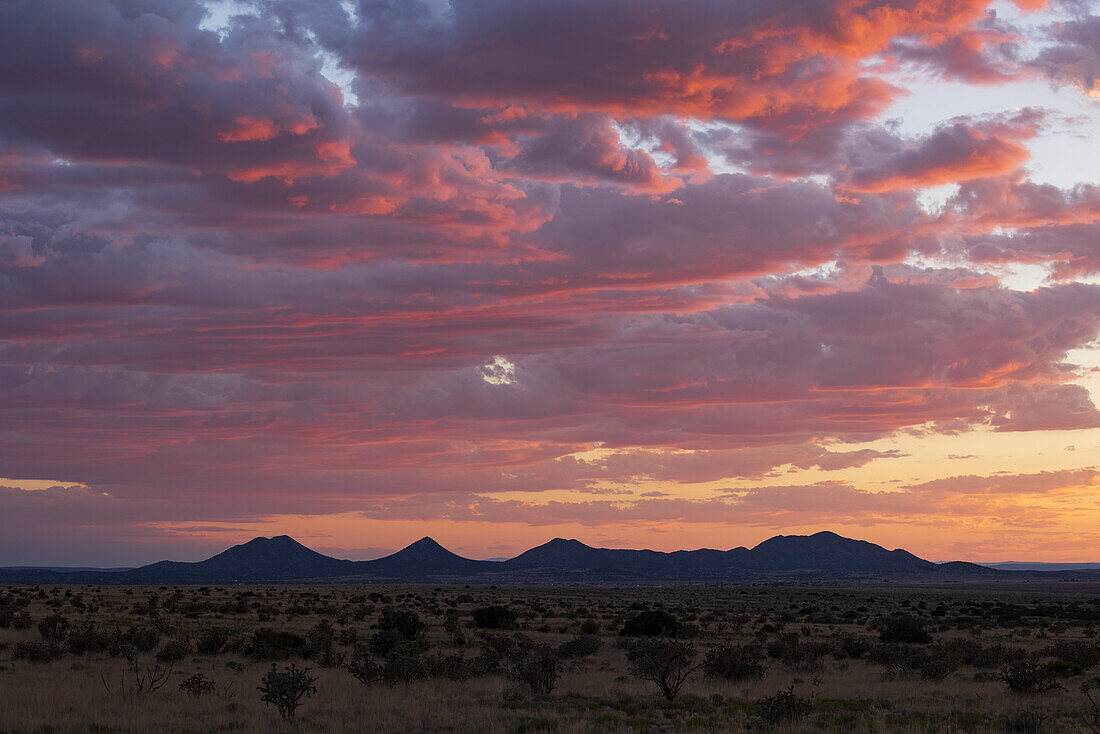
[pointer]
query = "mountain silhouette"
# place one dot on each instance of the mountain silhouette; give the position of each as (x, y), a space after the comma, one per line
(823, 557)
(423, 559)
(827, 551)
(261, 559)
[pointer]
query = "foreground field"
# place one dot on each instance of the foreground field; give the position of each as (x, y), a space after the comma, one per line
(384, 659)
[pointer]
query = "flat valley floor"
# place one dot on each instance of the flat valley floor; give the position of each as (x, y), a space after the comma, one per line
(99, 659)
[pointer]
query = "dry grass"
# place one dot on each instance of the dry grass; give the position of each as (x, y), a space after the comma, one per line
(593, 694)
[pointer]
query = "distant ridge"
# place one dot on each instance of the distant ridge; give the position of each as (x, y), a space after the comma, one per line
(67, 569)
(821, 558)
(1040, 566)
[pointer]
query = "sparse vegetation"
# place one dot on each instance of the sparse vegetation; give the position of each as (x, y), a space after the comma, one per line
(814, 659)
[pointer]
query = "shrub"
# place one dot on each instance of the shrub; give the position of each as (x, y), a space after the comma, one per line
(590, 627)
(405, 623)
(284, 689)
(901, 661)
(269, 644)
(196, 685)
(652, 623)
(1084, 654)
(937, 667)
(331, 658)
(905, 629)
(212, 641)
(580, 647)
(783, 707)
(36, 651)
(1091, 719)
(665, 662)
(537, 665)
(1062, 669)
(495, 617)
(404, 667)
(1027, 676)
(971, 652)
(786, 648)
(363, 668)
(390, 642)
(452, 667)
(731, 662)
(174, 651)
(851, 647)
(54, 629)
(494, 651)
(320, 641)
(85, 638)
(453, 628)
(135, 639)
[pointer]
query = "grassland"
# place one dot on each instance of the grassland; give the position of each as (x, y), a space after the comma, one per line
(72, 659)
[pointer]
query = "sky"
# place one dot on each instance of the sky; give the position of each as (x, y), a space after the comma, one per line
(646, 273)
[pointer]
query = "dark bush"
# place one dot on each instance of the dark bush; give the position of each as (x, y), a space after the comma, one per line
(142, 639)
(653, 623)
(936, 667)
(906, 630)
(1028, 676)
(21, 620)
(269, 644)
(197, 685)
(213, 641)
(495, 617)
(580, 647)
(495, 649)
(965, 651)
(590, 627)
(784, 707)
(404, 667)
(537, 665)
(386, 643)
(320, 640)
(36, 651)
(54, 629)
(1062, 669)
(900, 660)
(174, 651)
(1084, 654)
(851, 647)
(284, 689)
(667, 663)
(363, 668)
(452, 667)
(785, 647)
(85, 638)
(405, 623)
(730, 662)
(1091, 718)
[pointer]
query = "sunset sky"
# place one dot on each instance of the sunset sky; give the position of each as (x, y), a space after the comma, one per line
(645, 273)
